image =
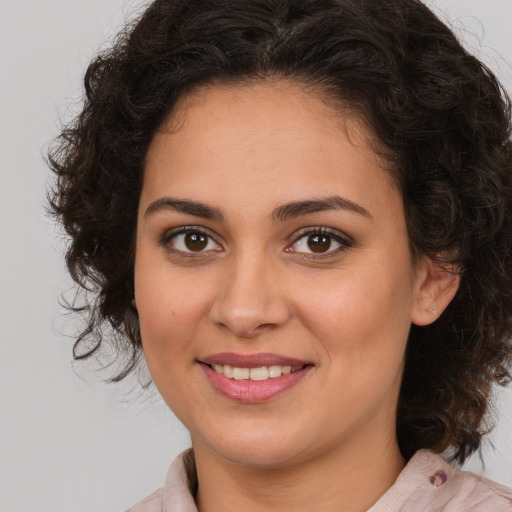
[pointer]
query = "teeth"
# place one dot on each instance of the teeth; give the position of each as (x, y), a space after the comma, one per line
(274, 371)
(241, 373)
(257, 374)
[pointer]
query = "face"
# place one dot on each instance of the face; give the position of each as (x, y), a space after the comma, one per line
(273, 276)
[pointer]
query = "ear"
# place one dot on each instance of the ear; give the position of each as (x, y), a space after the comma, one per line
(436, 285)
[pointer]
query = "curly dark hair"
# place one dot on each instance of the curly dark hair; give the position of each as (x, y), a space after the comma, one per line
(439, 114)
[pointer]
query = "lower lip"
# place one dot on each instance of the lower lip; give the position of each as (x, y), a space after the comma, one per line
(253, 391)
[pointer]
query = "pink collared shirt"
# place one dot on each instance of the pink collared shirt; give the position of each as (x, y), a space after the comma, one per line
(427, 484)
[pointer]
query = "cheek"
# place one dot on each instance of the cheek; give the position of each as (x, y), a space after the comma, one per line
(169, 311)
(361, 315)
(167, 325)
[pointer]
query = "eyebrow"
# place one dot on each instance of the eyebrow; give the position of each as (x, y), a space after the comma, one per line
(184, 206)
(281, 214)
(296, 209)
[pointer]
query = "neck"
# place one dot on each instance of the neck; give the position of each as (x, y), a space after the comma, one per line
(349, 478)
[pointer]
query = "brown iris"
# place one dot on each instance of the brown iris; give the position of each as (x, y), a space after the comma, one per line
(196, 241)
(319, 243)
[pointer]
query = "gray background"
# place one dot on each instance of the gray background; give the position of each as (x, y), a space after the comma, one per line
(67, 441)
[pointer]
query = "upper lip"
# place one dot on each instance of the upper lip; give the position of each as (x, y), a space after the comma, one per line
(252, 360)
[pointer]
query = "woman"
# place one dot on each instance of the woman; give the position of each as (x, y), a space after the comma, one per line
(300, 213)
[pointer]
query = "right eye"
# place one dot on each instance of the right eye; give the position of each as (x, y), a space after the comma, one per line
(190, 241)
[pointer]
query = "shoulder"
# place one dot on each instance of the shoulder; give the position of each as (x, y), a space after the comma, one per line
(153, 503)
(429, 483)
(476, 493)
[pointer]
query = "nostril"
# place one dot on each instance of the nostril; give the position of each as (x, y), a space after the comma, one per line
(248, 303)
(244, 323)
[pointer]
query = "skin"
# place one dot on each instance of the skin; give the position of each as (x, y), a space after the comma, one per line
(329, 442)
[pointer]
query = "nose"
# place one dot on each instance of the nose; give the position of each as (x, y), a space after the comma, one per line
(250, 299)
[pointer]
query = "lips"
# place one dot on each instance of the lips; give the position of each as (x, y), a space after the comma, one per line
(253, 378)
(252, 360)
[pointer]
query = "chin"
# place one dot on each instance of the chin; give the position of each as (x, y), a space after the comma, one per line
(265, 451)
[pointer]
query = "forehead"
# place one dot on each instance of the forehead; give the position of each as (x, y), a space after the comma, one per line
(265, 109)
(272, 141)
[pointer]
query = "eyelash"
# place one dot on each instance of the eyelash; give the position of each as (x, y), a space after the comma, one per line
(344, 241)
(169, 235)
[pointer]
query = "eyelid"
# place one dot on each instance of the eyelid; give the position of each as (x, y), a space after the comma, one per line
(170, 233)
(344, 240)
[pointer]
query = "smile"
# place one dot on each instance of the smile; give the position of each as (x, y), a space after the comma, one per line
(253, 378)
(258, 374)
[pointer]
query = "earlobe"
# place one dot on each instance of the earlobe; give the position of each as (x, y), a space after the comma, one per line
(436, 287)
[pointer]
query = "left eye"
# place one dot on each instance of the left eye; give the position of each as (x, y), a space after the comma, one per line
(191, 241)
(319, 243)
